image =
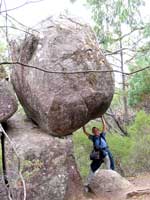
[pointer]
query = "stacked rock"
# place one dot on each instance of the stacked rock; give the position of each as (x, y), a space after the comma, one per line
(62, 96)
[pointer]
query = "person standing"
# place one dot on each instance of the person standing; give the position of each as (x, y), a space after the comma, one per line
(101, 152)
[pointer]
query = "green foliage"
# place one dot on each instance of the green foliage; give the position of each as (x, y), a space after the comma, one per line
(141, 125)
(140, 155)
(120, 146)
(110, 15)
(82, 148)
(139, 84)
(147, 30)
(30, 168)
(139, 131)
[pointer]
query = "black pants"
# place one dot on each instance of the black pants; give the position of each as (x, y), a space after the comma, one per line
(97, 163)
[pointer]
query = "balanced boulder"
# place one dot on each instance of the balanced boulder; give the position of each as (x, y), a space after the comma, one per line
(61, 97)
(47, 163)
(8, 102)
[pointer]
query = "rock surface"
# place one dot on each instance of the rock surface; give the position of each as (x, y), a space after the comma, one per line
(8, 102)
(61, 103)
(47, 163)
(108, 181)
(3, 73)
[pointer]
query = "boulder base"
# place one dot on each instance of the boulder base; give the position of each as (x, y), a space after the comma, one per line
(47, 163)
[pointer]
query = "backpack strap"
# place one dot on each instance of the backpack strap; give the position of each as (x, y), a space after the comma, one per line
(94, 138)
(101, 135)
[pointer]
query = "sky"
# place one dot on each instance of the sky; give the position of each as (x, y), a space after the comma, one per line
(36, 10)
(32, 13)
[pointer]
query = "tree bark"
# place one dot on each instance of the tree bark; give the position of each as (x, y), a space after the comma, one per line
(124, 98)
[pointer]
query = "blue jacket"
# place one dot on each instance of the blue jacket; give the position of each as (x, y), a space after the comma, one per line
(99, 143)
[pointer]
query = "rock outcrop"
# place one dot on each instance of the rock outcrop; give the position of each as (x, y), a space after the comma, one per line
(60, 103)
(8, 102)
(109, 181)
(47, 163)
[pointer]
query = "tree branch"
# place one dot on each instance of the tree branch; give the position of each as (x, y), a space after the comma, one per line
(140, 50)
(22, 5)
(117, 123)
(73, 72)
(115, 52)
(127, 34)
(16, 29)
(21, 24)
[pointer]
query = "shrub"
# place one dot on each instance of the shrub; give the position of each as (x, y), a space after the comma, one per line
(82, 148)
(121, 147)
(140, 134)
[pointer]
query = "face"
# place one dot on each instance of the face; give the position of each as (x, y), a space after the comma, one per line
(96, 131)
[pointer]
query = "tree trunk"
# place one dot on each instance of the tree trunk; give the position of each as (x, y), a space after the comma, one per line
(123, 84)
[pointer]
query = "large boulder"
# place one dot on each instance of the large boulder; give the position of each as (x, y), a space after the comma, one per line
(8, 102)
(47, 163)
(60, 103)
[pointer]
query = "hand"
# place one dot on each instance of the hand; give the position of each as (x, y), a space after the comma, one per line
(83, 128)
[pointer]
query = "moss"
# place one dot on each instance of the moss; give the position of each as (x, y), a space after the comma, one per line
(30, 168)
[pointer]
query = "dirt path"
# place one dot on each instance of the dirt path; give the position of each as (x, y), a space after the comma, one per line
(142, 185)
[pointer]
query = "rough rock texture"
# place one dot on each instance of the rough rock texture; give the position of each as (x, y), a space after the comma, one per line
(108, 181)
(8, 102)
(47, 163)
(61, 103)
(3, 73)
